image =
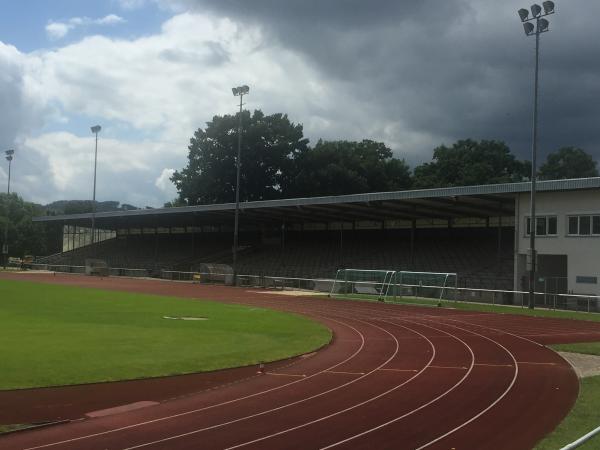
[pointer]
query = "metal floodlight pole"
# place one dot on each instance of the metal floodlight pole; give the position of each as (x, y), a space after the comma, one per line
(541, 26)
(239, 91)
(533, 220)
(9, 158)
(95, 129)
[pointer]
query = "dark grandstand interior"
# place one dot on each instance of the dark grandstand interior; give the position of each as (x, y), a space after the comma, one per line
(482, 257)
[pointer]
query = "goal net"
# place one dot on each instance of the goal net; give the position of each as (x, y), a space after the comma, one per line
(391, 285)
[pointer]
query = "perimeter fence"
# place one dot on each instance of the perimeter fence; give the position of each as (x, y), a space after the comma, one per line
(546, 300)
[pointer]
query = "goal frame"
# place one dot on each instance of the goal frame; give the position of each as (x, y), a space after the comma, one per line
(392, 280)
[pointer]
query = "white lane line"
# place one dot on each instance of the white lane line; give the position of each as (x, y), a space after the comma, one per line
(400, 370)
(449, 367)
(344, 373)
(286, 374)
(200, 430)
(494, 365)
(193, 411)
(353, 406)
(443, 394)
(539, 363)
(490, 406)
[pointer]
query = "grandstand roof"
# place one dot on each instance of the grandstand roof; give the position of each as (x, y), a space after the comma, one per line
(441, 203)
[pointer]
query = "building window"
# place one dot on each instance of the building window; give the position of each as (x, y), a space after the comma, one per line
(552, 225)
(545, 226)
(584, 225)
(596, 225)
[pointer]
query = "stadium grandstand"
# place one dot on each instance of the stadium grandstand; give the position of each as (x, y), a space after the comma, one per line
(478, 232)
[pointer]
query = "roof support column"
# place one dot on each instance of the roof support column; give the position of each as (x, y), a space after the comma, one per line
(341, 246)
(499, 232)
(155, 243)
(413, 229)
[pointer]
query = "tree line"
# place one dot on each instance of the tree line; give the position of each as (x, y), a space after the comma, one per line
(26, 237)
(278, 162)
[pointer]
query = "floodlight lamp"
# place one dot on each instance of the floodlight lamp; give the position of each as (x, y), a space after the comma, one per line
(536, 10)
(9, 158)
(235, 91)
(543, 25)
(523, 14)
(548, 7)
(245, 89)
(528, 27)
(9, 152)
(96, 129)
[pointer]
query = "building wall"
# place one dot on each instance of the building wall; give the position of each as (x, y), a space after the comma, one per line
(583, 252)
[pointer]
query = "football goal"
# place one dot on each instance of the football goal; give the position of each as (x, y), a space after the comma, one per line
(392, 285)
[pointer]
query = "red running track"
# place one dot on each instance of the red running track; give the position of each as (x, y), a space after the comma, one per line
(394, 377)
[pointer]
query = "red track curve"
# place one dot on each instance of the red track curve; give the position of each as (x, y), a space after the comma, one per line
(394, 377)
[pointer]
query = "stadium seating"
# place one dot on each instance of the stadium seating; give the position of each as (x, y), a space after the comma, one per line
(472, 253)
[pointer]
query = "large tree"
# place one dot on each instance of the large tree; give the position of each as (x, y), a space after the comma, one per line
(345, 167)
(469, 163)
(26, 237)
(568, 162)
(269, 146)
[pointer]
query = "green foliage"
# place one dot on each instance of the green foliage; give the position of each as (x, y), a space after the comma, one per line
(568, 162)
(83, 206)
(176, 202)
(24, 236)
(469, 163)
(344, 167)
(57, 335)
(269, 146)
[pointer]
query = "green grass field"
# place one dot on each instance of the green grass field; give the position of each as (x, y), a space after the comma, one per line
(587, 348)
(57, 335)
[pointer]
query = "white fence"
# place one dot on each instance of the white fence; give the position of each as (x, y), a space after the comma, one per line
(547, 300)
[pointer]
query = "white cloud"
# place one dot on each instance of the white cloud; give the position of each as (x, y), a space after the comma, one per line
(58, 30)
(151, 93)
(111, 19)
(63, 165)
(169, 5)
(164, 183)
(131, 4)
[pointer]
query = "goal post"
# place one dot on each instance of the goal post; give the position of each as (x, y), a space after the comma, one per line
(391, 285)
(362, 283)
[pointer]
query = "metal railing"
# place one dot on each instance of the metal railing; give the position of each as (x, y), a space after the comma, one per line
(545, 300)
(582, 440)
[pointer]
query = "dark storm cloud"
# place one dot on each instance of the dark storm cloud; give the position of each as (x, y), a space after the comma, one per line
(448, 70)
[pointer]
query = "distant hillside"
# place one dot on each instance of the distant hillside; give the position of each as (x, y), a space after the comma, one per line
(84, 206)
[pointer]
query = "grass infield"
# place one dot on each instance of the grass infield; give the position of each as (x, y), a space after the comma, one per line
(60, 335)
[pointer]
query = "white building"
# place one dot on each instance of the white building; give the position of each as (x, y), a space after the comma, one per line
(567, 237)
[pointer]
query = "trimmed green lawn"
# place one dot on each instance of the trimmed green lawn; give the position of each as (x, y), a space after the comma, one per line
(588, 348)
(59, 335)
(7, 428)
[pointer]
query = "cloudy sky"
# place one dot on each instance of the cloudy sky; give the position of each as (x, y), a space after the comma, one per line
(412, 73)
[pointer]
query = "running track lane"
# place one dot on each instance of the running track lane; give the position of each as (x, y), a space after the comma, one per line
(424, 378)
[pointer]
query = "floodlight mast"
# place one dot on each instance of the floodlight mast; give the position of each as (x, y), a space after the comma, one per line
(9, 157)
(239, 91)
(95, 129)
(541, 26)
